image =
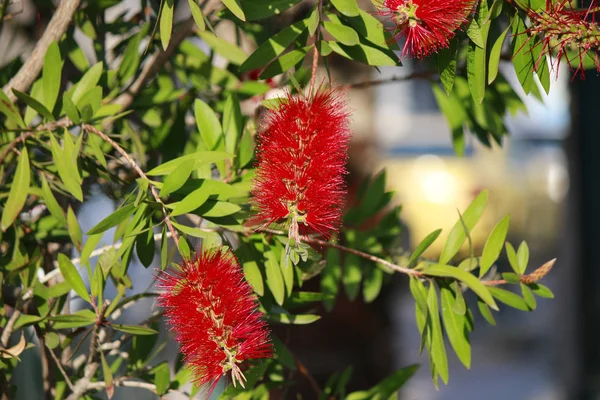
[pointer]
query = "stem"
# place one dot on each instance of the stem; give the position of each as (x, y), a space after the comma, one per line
(376, 82)
(315, 60)
(370, 257)
(141, 173)
(61, 369)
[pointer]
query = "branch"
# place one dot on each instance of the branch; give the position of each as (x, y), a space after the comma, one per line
(66, 122)
(8, 329)
(32, 67)
(377, 82)
(131, 161)
(155, 63)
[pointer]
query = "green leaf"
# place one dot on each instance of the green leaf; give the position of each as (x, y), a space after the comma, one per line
(236, 8)
(70, 109)
(352, 275)
(372, 283)
(12, 113)
(469, 219)
(511, 254)
(528, 297)
(166, 22)
(228, 50)
(73, 229)
(87, 82)
(51, 75)
(342, 33)
(541, 290)
(447, 59)
(144, 246)
(274, 46)
(472, 282)
(493, 245)
(313, 21)
(191, 202)
(201, 157)
(97, 284)
(522, 257)
(177, 178)
(63, 160)
(522, 55)
(108, 378)
(331, 277)
(75, 320)
(285, 62)
(208, 125)
(424, 245)
(131, 56)
(18, 190)
(113, 219)
(232, 123)
(197, 15)
(386, 388)
(511, 277)
(438, 349)
(252, 273)
(246, 153)
(33, 103)
(495, 54)
(452, 109)
(51, 202)
(477, 66)
(134, 329)
(195, 232)
(274, 277)
(292, 319)
(474, 33)
(162, 378)
(364, 53)
(455, 326)
(348, 8)
(215, 209)
(71, 275)
(509, 298)
(485, 312)
(260, 9)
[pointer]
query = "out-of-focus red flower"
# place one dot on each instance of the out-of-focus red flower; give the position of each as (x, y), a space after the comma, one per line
(563, 28)
(214, 315)
(301, 162)
(428, 25)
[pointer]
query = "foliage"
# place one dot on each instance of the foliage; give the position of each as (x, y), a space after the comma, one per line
(163, 127)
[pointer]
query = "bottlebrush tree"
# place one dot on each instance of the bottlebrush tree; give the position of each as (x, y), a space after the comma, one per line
(236, 200)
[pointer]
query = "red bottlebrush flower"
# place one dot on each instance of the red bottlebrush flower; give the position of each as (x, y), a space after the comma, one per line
(567, 33)
(428, 25)
(214, 315)
(301, 162)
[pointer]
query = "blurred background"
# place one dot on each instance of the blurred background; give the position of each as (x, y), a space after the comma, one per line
(545, 176)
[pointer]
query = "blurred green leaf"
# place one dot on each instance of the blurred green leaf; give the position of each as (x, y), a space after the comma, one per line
(523, 257)
(197, 14)
(71, 275)
(331, 277)
(134, 329)
(438, 349)
(424, 245)
(18, 190)
(162, 377)
(87, 82)
(166, 22)
(346, 7)
(113, 219)
(285, 62)
(235, 7)
(51, 76)
(51, 202)
(228, 50)
(74, 229)
(352, 275)
(274, 277)
(33, 103)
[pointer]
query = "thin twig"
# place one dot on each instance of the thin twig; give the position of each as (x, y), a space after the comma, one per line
(32, 67)
(141, 173)
(66, 122)
(61, 369)
(376, 82)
